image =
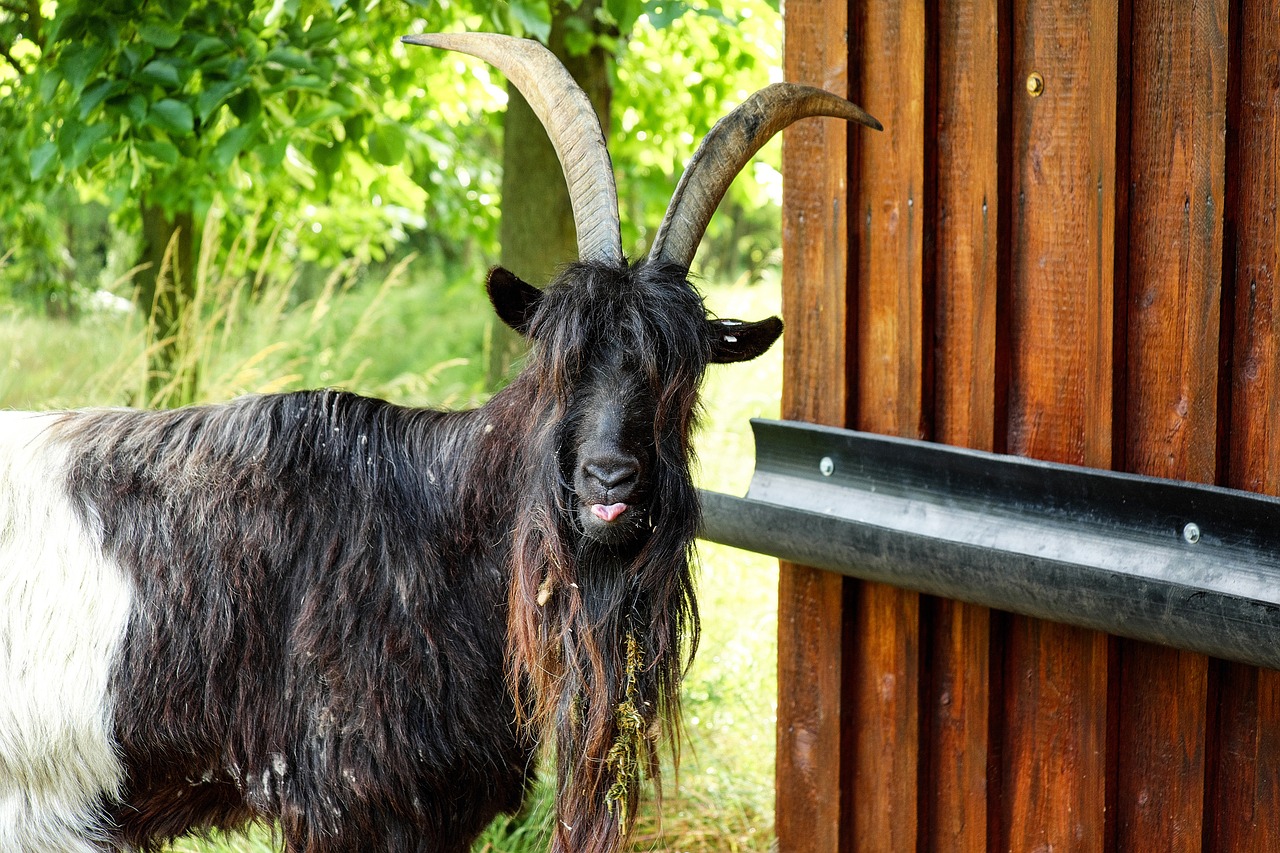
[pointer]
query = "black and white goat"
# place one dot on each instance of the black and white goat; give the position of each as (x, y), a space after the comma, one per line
(359, 620)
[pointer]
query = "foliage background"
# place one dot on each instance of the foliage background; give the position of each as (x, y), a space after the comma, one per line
(310, 120)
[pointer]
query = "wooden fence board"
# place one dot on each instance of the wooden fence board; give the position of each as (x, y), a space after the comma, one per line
(971, 253)
(892, 219)
(1055, 761)
(811, 611)
(1178, 73)
(1245, 792)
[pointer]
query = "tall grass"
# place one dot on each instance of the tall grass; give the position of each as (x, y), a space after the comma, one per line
(418, 338)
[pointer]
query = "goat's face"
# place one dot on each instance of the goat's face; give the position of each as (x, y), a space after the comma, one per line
(621, 352)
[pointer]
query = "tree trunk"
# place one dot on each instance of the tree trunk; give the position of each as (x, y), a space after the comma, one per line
(165, 291)
(537, 230)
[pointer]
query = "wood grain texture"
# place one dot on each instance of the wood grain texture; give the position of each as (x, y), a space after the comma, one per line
(811, 611)
(892, 218)
(1244, 788)
(1054, 760)
(972, 79)
(972, 39)
(1054, 734)
(1241, 811)
(1177, 154)
(1063, 289)
(1161, 760)
(1177, 182)
(894, 215)
(1254, 182)
(955, 786)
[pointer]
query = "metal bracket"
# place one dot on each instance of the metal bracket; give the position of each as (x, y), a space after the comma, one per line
(1186, 565)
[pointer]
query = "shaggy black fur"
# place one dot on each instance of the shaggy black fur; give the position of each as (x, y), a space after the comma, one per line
(360, 619)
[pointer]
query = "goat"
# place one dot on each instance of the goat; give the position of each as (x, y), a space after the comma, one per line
(358, 620)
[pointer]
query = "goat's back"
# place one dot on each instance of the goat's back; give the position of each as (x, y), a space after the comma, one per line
(272, 615)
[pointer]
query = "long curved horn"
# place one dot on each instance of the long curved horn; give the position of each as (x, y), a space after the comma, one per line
(726, 149)
(571, 123)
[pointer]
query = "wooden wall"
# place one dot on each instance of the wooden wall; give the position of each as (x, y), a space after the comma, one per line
(1086, 275)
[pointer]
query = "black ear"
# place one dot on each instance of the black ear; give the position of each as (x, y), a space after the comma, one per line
(734, 340)
(514, 300)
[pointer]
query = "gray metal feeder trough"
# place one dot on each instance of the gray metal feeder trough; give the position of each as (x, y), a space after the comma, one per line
(1186, 565)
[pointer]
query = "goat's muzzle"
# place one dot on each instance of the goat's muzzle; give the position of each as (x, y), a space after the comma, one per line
(608, 488)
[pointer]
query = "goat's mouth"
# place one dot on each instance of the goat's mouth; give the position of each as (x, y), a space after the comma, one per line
(611, 522)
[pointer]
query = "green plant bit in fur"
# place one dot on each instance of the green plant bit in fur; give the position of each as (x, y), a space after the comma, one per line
(625, 759)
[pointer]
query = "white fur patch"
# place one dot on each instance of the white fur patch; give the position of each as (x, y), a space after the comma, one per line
(64, 609)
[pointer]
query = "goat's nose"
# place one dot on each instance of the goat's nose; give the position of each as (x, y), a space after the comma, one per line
(611, 473)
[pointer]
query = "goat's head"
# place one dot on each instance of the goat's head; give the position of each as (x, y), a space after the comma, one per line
(618, 354)
(602, 617)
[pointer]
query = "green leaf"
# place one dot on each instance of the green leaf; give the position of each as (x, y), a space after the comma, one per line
(86, 137)
(42, 160)
(173, 117)
(231, 144)
(246, 104)
(166, 153)
(386, 144)
(661, 13)
(176, 9)
(206, 47)
(136, 108)
(289, 58)
(160, 34)
(79, 62)
(99, 92)
(210, 99)
(271, 155)
(534, 16)
(320, 115)
(326, 158)
(160, 72)
(49, 84)
(135, 56)
(322, 31)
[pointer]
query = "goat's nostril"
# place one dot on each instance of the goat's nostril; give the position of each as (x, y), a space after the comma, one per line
(611, 474)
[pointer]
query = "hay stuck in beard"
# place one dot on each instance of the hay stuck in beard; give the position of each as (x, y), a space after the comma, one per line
(630, 752)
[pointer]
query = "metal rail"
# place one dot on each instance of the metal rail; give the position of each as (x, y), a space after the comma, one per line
(1186, 565)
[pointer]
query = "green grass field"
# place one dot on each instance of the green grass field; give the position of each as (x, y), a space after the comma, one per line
(419, 340)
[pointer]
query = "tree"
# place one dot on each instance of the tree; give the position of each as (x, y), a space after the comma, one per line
(308, 118)
(537, 230)
(162, 110)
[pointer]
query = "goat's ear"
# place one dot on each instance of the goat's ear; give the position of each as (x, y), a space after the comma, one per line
(514, 300)
(734, 340)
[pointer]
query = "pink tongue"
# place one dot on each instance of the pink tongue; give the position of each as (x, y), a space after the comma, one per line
(608, 513)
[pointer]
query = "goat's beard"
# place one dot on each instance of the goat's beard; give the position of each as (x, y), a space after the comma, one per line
(599, 638)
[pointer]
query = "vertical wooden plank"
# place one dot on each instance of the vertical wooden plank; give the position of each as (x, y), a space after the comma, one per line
(1177, 184)
(1061, 338)
(1255, 392)
(1241, 811)
(971, 42)
(1245, 791)
(972, 84)
(815, 363)
(888, 42)
(956, 785)
(1054, 749)
(1062, 295)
